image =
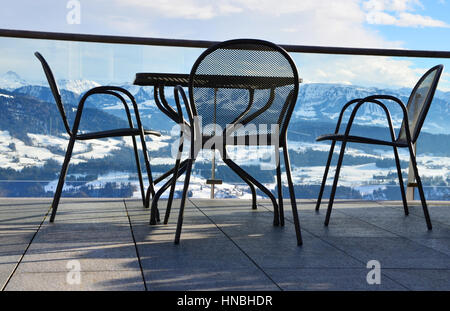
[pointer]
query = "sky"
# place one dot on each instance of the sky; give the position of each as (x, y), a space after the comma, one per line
(402, 24)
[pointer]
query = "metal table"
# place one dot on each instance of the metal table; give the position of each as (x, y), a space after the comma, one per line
(160, 80)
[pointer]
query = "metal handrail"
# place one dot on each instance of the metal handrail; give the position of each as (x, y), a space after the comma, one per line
(205, 44)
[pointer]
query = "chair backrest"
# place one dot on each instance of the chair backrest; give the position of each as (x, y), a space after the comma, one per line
(419, 103)
(54, 88)
(244, 81)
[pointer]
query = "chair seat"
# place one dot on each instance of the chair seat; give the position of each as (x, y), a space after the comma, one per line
(115, 133)
(359, 139)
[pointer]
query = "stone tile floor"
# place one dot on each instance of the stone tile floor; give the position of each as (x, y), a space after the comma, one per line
(225, 245)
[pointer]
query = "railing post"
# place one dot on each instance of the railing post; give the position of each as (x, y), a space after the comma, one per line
(213, 181)
(213, 171)
(412, 184)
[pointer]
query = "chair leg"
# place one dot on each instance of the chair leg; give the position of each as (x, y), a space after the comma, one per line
(147, 166)
(174, 179)
(241, 172)
(335, 181)
(147, 197)
(325, 175)
(248, 182)
(183, 201)
(62, 177)
(400, 179)
(280, 189)
(154, 211)
(253, 191)
(138, 166)
(287, 164)
(176, 173)
(419, 186)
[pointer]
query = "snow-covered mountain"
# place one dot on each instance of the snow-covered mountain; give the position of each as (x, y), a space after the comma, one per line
(323, 102)
(11, 81)
(77, 86)
(316, 101)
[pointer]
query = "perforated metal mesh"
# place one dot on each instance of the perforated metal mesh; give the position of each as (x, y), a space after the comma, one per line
(247, 81)
(418, 104)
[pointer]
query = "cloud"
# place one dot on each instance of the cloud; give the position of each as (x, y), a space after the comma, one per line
(391, 5)
(127, 25)
(398, 13)
(366, 71)
(416, 20)
(185, 9)
(309, 22)
(358, 70)
(381, 18)
(327, 23)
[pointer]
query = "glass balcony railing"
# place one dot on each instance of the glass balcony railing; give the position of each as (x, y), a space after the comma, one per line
(33, 140)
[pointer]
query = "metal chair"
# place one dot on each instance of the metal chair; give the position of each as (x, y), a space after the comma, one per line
(414, 114)
(121, 132)
(245, 91)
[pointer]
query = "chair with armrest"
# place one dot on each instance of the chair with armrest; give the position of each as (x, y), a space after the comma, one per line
(120, 94)
(414, 114)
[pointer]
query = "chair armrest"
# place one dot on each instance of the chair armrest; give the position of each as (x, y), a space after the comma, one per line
(373, 99)
(402, 107)
(109, 90)
(341, 115)
(391, 98)
(125, 105)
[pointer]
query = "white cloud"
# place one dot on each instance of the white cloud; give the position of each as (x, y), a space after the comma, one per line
(398, 13)
(308, 22)
(359, 70)
(126, 24)
(416, 20)
(391, 5)
(226, 8)
(381, 18)
(186, 9)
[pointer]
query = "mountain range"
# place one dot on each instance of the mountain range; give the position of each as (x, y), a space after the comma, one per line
(32, 145)
(316, 102)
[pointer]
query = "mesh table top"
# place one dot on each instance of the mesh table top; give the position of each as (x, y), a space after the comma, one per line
(211, 81)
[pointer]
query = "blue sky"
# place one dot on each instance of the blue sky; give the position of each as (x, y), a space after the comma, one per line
(404, 24)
